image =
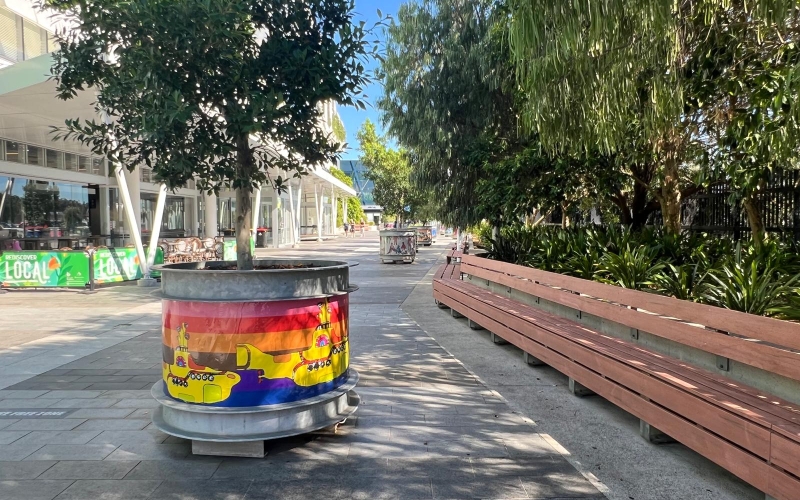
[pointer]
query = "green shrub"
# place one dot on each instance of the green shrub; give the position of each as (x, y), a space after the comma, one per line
(698, 267)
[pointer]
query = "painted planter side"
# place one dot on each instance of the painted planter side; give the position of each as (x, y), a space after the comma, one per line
(253, 348)
(398, 245)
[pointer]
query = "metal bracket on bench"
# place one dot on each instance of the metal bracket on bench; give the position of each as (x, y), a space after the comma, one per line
(723, 363)
(473, 325)
(578, 314)
(498, 340)
(455, 313)
(635, 333)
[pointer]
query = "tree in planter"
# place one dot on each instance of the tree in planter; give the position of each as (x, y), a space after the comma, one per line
(211, 90)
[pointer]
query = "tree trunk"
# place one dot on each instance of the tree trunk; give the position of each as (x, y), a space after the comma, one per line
(564, 216)
(244, 205)
(670, 198)
(755, 220)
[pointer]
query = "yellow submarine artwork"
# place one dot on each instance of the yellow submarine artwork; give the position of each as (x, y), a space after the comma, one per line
(326, 359)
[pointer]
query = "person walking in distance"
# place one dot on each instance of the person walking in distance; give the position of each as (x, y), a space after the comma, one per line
(353, 229)
(362, 228)
(345, 229)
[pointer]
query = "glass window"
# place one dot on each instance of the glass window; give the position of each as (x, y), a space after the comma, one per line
(71, 162)
(174, 214)
(8, 35)
(84, 164)
(145, 174)
(116, 212)
(148, 211)
(34, 155)
(55, 159)
(13, 151)
(97, 166)
(34, 40)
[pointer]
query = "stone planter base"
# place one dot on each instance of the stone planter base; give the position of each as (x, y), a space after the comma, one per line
(231, 427)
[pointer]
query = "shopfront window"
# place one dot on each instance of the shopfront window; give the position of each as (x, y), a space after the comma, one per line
(34, 155)
(173, 221)
(13, 151)
(71, 162)
(116, 213)
(31, 209)
(55, 159)
(97, 166)
(227, 216)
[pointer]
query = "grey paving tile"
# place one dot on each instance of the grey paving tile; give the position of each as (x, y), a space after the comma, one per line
(79, 469)
(558, 485)
(58, 437)
(141, 413)
(86, 403)
(76, 394)
(104, 378)
(137, 403)
(507, 487)
(298, 490)
(11, 394)
(4, 423)
(46, 424)
(175, 470)
(118, 385)
(130, 437)
(32, 490)
(23, 470)
(8, 437)
(206, 490)
(106, 489)
(113, 424)
(95, 413)
(150, 451)
(72, 452)
(6, 404)
(15, 452)
(369, 488)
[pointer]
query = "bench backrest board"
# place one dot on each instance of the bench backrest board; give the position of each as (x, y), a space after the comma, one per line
(765, 343)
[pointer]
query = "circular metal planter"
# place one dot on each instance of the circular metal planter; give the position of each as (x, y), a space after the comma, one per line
(398, 245)
(254, 355)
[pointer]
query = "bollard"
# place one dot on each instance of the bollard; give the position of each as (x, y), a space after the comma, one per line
(90, 253)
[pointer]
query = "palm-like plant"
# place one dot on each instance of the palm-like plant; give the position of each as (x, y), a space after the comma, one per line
(633, 268)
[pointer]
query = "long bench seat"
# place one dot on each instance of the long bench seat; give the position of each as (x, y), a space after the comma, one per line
(753, 434)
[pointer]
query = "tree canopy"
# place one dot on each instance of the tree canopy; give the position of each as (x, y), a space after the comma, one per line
(219, 91)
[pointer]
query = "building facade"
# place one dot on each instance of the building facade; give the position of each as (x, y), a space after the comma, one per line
(56, 194)
(364, 187)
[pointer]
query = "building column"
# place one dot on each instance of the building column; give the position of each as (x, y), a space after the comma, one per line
(276, 227)
(298, 213)
(132, 181)
(210, 229)
(344, 209)
(318, 210)
(293, 215)
(256, 213)
(133, 208)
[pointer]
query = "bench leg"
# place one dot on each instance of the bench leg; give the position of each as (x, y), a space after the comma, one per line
(579, 390)
(455, 313)
(497, 339)
(473, 325)
(532, 361)
(441, 304)
(652, 434)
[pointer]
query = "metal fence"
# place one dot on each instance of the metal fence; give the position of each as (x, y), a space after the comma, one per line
(714, 212)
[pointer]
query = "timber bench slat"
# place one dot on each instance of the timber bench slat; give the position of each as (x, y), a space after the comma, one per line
(749, 395)
(636, 374)
(762, 356)
(753, 434)
(745, 465)
(775, 412)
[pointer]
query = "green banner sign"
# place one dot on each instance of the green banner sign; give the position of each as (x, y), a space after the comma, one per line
(229, 249)
(43, 269)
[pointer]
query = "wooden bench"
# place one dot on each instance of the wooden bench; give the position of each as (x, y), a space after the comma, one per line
(746, 430)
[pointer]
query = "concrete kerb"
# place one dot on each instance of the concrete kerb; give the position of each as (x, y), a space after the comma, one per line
(422, 285)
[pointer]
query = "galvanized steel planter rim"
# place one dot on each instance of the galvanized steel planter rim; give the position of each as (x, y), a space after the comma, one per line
(182, 267)
(160, 295)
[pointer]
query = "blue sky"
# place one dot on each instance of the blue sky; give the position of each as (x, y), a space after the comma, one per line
(352, 118)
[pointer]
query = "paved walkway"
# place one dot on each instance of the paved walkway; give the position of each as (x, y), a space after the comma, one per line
(81, 366)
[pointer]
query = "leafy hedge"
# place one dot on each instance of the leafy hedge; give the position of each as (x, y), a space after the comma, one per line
(700, 268)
